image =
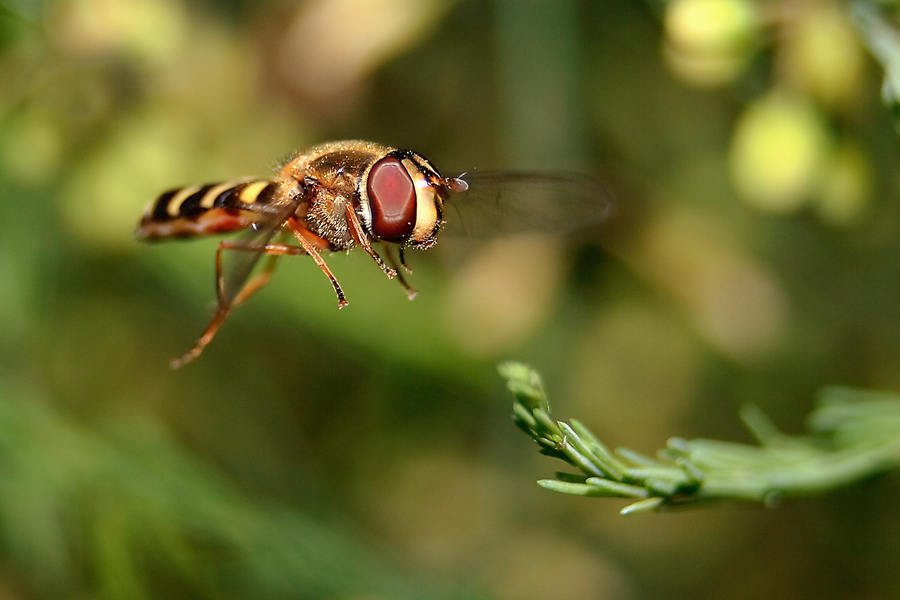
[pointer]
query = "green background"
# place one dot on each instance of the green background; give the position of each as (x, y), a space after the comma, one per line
(369, 453)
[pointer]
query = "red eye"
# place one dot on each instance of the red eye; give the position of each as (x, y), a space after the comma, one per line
(392, 196)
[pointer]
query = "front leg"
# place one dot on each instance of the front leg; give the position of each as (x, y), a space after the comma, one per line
(410, 291)
(363, 240)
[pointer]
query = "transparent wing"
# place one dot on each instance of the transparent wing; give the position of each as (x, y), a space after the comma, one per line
(506, 203)
(238, 264)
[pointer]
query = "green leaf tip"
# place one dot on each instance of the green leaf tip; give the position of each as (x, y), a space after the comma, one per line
(568, 487)
(525, 384)
(643, 506)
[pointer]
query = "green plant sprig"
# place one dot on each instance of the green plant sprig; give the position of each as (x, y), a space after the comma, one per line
(854, 434)
(880, 34)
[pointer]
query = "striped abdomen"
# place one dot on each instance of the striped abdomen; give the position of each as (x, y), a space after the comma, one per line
(208, 209)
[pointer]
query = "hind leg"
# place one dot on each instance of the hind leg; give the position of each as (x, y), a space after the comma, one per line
(274, 251)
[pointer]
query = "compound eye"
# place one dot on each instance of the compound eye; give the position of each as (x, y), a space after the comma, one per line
(392, 196)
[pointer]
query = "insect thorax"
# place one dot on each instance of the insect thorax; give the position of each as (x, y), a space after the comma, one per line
(338, 175)
(327, 218)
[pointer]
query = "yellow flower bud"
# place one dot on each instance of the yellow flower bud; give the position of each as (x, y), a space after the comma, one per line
(708, 42)
(778, 151)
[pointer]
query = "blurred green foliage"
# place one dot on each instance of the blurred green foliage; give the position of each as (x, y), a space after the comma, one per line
(368, 453)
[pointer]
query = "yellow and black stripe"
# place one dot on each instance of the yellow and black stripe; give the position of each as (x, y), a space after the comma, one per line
(208, 209)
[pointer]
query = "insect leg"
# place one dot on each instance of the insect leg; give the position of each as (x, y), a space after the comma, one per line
(261, 279)
(364, 242)
(403, 261)
(410, 292)
(309, 248)
(205, 339)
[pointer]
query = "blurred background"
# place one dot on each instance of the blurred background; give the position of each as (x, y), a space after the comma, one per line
(369, 453)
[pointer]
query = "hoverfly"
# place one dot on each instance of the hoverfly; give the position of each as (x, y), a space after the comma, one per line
(343, 195)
